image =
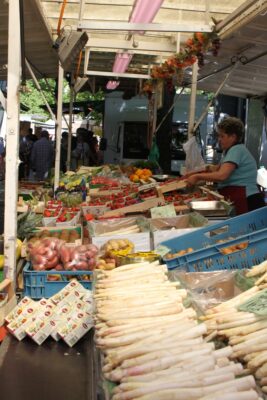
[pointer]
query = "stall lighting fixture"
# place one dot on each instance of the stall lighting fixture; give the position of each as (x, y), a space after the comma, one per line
(121, 62)
(144, 11)
(112, 85)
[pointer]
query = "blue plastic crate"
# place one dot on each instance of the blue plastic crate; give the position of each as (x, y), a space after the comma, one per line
(225, 230)
(213, 258)
(37, 284)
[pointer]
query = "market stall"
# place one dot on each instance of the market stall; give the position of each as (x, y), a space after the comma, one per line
(91, 254)
(108, 280)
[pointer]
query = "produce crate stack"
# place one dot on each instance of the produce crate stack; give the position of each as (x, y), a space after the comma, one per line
(237, 243)
(53, 264)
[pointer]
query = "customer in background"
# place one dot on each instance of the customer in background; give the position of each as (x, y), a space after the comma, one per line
(236, 175)
(25, 148)
(31, 136)
(42, 156)
(64, 152)
(81, 152)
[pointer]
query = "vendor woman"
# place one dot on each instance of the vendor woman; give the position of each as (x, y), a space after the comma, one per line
(236, 174)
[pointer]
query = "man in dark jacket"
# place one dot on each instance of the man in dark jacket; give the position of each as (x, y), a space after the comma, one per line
(42, 156)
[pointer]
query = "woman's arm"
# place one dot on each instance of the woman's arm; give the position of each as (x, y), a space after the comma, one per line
(220, 175)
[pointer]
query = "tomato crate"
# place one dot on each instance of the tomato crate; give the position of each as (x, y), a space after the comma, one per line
(240, 253)
(222, 231)
(38, 284)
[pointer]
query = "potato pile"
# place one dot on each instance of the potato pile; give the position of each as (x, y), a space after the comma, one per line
(180, 253)
(111, 251)
(118, 247)
(234, 247)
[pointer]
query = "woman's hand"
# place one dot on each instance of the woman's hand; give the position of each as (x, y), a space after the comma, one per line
(192, 180)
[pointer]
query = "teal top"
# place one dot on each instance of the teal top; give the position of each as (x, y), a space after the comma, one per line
(245, 173)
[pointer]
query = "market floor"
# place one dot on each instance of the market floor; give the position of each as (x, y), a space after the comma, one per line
(52, 371)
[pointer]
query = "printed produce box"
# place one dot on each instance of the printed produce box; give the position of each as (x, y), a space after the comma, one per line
(167, 228)
(136, 229)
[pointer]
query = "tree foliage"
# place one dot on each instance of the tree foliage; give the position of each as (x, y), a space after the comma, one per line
(34, 101)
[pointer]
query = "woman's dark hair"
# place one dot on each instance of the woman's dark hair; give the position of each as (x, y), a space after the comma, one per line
(232, 125)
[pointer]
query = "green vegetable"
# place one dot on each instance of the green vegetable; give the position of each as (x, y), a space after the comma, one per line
(257, 304)
(242, 282)
(27, 222)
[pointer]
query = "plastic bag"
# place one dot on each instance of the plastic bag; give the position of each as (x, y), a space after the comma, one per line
(44, 254)
(154, 151)
(194, 160)
(79, 258)
(206, 289)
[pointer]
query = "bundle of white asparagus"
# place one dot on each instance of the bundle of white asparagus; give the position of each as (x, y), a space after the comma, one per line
(153, 347)
(246, 332)
(259, 271)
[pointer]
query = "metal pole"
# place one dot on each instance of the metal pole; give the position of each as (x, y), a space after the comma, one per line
(12, 140)
(213, 97)
(193, 97)
(70, 127)
(38, 87)
(59, 124)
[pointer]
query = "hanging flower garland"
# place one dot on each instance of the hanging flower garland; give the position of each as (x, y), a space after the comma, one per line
(172, 69)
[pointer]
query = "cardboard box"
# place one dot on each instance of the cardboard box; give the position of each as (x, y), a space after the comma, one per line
(10, 302)
(167, 228)
(105, 230)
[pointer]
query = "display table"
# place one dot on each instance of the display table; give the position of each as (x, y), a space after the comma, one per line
(48, 372)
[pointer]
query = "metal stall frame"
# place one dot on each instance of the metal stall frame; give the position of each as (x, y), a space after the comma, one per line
(12, 139)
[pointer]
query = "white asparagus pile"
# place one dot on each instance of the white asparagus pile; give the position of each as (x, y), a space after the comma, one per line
(153, 347)
(259, 271)
(246, 332)
(127, 230)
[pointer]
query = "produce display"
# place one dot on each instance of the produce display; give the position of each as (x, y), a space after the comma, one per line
(68, 214)
(140, 175)
(71, 199)
(78, 258)
(53, 254)
(153, 344)
(105, 183)
(153, 347)
(169, 256)
(245, 331)
(68, 235)
(118, 247)
(52, 212)
(111, 251)
(26, 223)
(56, 214)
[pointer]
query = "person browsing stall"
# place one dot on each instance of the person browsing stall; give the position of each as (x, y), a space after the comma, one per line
(236, 175)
